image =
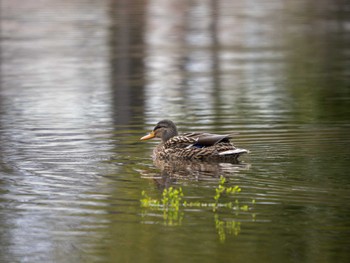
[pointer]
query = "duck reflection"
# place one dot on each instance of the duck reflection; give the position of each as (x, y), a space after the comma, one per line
(170, 171)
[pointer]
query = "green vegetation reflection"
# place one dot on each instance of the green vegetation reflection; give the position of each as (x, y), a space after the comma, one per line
(172, 206)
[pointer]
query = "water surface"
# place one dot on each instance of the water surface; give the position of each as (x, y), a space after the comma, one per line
(82, 81)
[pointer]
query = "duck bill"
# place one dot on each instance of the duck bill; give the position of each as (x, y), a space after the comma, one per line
(148, 136)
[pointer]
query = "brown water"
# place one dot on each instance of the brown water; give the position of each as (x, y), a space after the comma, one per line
(82, 81)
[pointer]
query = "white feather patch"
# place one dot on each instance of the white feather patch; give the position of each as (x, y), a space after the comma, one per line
(235, 151)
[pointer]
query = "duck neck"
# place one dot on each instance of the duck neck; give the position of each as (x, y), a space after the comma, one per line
(168, 134)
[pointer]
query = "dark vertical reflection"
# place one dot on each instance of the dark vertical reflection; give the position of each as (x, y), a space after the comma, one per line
(317, 70)
(126, 59)
(215, 50)
(215, 47)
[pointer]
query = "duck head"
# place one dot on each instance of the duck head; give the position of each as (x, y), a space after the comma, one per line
(164, 129)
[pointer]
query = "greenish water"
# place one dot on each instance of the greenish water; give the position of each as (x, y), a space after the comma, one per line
(82, 81)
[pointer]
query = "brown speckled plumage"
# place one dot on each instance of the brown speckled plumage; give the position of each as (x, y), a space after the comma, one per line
(198, 146)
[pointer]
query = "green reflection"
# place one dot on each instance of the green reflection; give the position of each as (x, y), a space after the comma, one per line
(169, 204)
(172, 206)
(223, 228)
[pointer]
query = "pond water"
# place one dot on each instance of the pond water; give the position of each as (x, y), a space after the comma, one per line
(82, 81)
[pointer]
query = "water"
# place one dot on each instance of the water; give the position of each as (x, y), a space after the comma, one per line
(82, 81)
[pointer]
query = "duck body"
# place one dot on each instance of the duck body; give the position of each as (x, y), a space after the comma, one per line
(196, 146)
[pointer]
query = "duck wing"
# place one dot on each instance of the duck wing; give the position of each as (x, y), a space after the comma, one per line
(198, 140)
(209, 139)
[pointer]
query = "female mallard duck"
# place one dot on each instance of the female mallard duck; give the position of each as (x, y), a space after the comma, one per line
(199, 146)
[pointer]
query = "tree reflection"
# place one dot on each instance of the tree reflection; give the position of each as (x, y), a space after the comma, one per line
(126, 58)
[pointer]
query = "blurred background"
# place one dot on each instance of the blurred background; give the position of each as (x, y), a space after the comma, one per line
(83, 80)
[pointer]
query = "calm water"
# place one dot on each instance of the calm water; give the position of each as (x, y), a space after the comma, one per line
(82, 81)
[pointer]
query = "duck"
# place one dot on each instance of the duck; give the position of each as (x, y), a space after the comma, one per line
(191, 146)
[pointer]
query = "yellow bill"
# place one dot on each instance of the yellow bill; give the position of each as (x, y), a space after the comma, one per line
(148, 136)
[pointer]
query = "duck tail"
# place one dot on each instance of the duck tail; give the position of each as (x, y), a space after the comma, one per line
(236, 152)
